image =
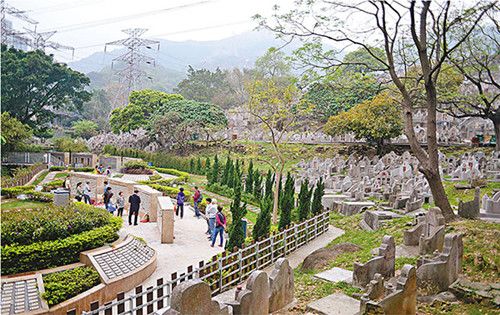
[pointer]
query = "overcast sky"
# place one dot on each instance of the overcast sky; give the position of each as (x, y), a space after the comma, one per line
(88, 24)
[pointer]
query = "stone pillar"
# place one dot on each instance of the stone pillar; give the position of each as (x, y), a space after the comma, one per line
(165, 219)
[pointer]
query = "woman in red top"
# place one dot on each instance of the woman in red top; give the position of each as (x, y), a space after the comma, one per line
(220, 225)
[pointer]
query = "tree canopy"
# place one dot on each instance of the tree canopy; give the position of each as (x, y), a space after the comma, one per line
(85, 128)
(374, 120)
(14, 133)
(35, 87)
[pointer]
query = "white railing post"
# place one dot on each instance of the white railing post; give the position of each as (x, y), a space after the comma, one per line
(220, 274)
(257, 255)
(240, 258)
(285, 231)
(315, 226)
(271, 241)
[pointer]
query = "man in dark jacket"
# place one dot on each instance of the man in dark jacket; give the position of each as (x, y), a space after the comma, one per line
(181, 198)
(135, 202)
(107, 198)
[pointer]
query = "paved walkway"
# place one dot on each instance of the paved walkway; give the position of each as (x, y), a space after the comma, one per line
(190, 245)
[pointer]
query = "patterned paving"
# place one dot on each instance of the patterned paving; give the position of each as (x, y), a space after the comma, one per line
(20, 296)
(124, 259)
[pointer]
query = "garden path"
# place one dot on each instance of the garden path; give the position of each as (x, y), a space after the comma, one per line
(50, 177)
(190, 245)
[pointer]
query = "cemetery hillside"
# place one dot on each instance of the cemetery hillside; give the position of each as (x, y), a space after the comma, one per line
(259, 157)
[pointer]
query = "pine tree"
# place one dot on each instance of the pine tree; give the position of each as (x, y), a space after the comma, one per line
(225, 174)
(287, 202)
(263, 224)
(199, 167)
(214, 177)
(249, 179)
(304, 200)
(191, 166)
(269, 184)
(230, 176)
(316, 205)
(238, 211)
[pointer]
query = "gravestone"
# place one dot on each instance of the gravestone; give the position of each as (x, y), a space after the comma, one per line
(401, 300)
(281, 285)
(438, 272)
(491, 205)
(470, 209)
(383, 264)
(254, 299)
(194, 297)
(429, 231)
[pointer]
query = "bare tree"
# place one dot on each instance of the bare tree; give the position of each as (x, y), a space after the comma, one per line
(416, 39)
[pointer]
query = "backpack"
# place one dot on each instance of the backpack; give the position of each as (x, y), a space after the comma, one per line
(200, 198)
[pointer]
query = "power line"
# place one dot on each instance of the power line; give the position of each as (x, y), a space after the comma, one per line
(73, 27)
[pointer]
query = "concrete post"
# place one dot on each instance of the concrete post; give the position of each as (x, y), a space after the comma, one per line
(165, 219)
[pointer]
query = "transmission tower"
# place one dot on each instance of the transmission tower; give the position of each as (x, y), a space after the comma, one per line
(132, 73)
(9, 35)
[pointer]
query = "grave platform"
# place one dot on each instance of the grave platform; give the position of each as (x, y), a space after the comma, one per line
(335, 275)
(335, 304)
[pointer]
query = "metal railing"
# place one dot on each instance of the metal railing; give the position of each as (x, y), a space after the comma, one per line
(222, 272)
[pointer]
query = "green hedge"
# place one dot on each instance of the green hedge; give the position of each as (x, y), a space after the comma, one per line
(13, 192)
(53, 185)
(51, 223)
(48, 254)
(226, 191)
(171, 191)
(182, 175)
(76, 169)
(63, 285)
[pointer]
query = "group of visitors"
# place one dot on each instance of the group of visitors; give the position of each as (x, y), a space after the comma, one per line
(99, 169)
(83, 193)
(215, 218)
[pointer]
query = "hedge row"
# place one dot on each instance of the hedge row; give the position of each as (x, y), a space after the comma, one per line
(76, 169)
(182, 175)
(170, 191)
(49, 254)
(51, 223)
(63, 285)
(58, 183)
(226, 191)
(29, 191)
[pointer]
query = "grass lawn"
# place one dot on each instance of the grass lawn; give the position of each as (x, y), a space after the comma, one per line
(455, 195)
(21, 204)
(481, 261)
(61, 175)
(41, 177)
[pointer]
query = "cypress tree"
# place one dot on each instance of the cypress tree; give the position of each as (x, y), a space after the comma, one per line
(316, 205)
(269, 184)
(207, 167)
(263, 224)
(225, 174)
(199, 167)
(304, 200)
(214, 177)
(257, 184)
(287, 202)
(238, 211)
(249, 179)
(230, 176)
(191, 166)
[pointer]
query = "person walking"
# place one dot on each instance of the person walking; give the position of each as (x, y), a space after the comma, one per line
(135, 202)
(108, 171)
(86, 193)
(120, 204)
(79, 191)
(220, 226)
(211, 212)
(181, 198)
(107, 199)
(106, 185)
(197, 199)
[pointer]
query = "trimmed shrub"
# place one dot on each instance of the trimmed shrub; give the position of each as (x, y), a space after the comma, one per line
(63, 285)
(182, 175)
(51, 223)
(76, 169)
(57, 168)
(13, 192)
(53, 185)
(170, 191)
(136, 167)
(39, 196)
(49, 254)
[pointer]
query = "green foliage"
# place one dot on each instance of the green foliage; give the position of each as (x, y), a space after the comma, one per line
(170, 191)
(226, 191)
(85, 128)
(183, 176)
(273, 64)
(98, 109)
(269, 184)
(319, 192)
(141, 107)
(257, 184)
(50, 223)
(287, 202)
(13, 192)
(214, 177)
(304, 200)
(199, 167)
(35, 87)
(249, 178)
(14, 134)
(361, 61)
(206, 170)
(48, 254)
(63, 285)
(53, 185)
(76, 169)
(136, 165)
(238, 211)
(263, 224)
(18, 173)
(191, 166)
(374, 120)
(226, 173)
(66, 144)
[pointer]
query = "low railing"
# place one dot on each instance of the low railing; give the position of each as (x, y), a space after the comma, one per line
(221, 272)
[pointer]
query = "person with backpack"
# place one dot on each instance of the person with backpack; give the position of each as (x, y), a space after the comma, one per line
(107, 199)
(197, 199)
(181, 198)
(220, 226)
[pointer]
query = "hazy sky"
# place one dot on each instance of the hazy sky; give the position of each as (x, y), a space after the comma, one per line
(88, 24)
